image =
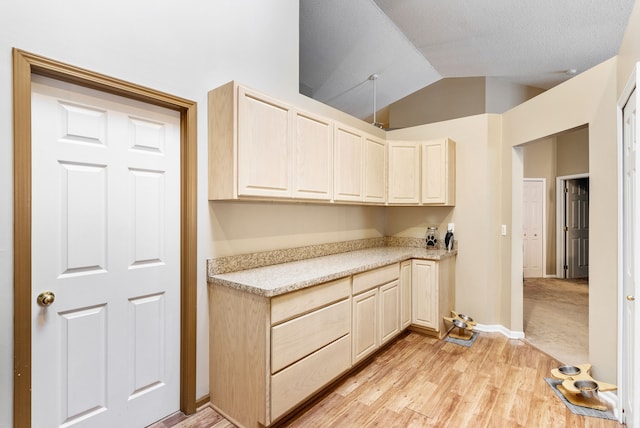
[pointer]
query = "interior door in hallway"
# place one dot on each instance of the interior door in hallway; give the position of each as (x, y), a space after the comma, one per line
(533, 228)
(577, 222)
(630, 378)
(106, 244)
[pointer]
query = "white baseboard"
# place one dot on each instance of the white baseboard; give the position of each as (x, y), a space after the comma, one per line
(611, 398)
(498, 328)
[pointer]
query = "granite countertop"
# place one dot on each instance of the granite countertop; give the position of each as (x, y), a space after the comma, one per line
(270, 281)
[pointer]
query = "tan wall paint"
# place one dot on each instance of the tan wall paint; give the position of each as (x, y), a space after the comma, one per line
(573, 152)
(587, 98)
(502, 95)
(453, 98)
(443, 100)
(540, 162)
(476, 214)
(247, 227)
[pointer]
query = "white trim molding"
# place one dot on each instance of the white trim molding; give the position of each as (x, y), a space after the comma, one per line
(498, 328)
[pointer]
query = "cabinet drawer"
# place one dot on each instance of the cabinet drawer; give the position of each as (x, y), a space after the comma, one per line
(287, 306)
(366, 280)
(301, 336)
(297, 382)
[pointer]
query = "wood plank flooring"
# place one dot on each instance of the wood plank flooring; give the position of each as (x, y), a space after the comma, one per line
(419, 381)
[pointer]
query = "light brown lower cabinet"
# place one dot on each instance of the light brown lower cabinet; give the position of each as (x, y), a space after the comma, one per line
(376, 310)
(433, 294)
(269, 355)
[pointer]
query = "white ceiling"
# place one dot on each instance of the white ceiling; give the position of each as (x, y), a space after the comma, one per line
(410, 44)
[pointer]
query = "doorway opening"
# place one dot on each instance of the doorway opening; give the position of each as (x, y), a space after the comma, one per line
(554, 295)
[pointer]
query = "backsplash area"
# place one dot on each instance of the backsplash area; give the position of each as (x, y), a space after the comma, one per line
(255, 260)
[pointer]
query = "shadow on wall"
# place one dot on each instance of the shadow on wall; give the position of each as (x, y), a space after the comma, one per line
(247, 227)
(413, 221)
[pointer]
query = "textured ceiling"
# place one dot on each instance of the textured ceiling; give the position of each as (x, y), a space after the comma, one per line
(410, 44)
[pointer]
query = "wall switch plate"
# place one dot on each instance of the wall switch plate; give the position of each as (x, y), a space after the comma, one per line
(503, 230)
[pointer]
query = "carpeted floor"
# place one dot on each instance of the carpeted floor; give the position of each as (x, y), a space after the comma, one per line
(556, 317)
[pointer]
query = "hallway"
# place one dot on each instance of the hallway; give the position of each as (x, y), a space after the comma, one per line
(556, 317)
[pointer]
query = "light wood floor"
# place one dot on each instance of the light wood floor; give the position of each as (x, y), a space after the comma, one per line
(423, 382)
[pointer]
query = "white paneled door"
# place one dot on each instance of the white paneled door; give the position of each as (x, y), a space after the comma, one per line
(106, 259)
(630, 345)
(533, 228)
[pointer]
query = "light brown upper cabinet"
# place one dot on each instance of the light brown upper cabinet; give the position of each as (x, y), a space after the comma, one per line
(404, 172)
(360, 165)
(439, 172)
(260, 147)
(422, 172)
(313, 157)
(348, 162)
(375, 170)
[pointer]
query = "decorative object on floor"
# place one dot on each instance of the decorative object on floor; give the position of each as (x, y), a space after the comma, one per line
(579, 409)
(578, 387)
(463, 342)
(461, 326)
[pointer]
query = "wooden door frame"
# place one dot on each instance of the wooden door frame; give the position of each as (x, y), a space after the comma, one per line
(561, 209)
(24, 66)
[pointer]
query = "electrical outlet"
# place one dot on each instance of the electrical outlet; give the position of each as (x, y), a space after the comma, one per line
(450, 227)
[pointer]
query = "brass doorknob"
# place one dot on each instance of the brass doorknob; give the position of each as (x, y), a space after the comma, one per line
(631, 298)
(46, 298)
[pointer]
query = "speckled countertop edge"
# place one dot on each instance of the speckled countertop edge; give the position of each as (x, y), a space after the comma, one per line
(270, 281)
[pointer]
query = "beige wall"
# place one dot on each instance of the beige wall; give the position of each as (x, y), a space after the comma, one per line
(452, 98)
(443, 100)
(540, 162)
(588, 98)
(476, 214)
(573, 152)
(247, 227)
(502, 95)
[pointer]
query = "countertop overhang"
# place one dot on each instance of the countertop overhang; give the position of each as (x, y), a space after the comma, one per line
(271, 281)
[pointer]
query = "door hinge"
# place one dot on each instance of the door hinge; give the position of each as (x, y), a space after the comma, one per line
(566, 190)
(566, 267)
(565, 228)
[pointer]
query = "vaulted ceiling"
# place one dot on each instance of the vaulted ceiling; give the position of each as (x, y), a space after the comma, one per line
(410, 44)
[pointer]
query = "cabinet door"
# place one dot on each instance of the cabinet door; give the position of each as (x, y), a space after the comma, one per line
(348, 155)
(312, 157)
(438, 172)
(424, 283)
(404, 172)
(264, 144)
(364, 326)
(375, 167)
(405, 294)
(389, 296)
